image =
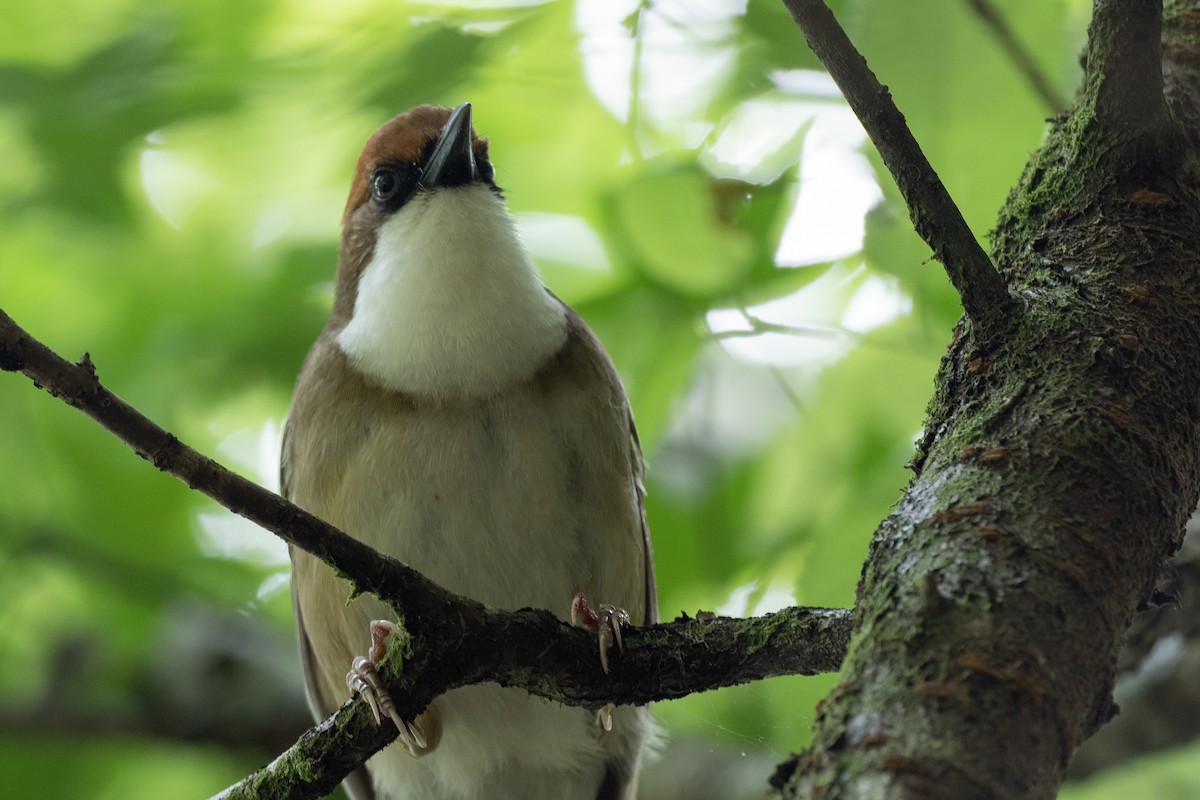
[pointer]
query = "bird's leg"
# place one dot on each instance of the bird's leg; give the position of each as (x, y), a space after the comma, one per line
(606, 620)
(363, 679)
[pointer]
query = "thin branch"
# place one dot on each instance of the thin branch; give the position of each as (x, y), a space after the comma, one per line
(759, 326)
(1020, 56)
(633, 113)
(936, 218)
(781, 381)
(532, 650)
(454, 641)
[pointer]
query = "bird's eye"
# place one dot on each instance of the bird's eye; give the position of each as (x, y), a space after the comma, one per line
(385, 184)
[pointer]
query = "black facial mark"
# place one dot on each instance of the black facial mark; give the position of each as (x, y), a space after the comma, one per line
(392, 184)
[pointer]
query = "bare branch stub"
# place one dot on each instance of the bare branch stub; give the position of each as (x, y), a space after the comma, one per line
(1123, 71)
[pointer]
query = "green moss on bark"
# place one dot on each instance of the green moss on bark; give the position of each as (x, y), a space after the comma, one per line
(1059, 462)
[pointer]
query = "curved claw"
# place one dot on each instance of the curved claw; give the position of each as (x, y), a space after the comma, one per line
(363, 679)
(606, 620)
(606, 717)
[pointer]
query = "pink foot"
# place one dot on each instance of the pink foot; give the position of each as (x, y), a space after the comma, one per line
(363, 679)
(606, 620)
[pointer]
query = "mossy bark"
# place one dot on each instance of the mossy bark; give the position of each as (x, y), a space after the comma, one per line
(1059, 461)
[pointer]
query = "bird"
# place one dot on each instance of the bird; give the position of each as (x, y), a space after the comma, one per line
(457, 415)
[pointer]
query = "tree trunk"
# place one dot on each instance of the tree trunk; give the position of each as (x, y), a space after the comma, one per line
(1059, 460)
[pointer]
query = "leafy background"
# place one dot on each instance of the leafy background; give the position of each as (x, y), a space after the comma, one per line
(171, 180)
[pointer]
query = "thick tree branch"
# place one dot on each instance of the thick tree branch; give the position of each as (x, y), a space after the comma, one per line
(453, 641)
(1160, 666)
(936, 218)
(1057, 469)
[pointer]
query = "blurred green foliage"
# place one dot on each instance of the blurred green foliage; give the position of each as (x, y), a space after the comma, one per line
(1167, 775)
(171, 182)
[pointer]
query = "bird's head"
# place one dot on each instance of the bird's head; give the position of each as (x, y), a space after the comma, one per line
(424, 149)
(411, 159)
(434, 291)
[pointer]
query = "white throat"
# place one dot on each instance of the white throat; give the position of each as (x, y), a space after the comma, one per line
(450, 303)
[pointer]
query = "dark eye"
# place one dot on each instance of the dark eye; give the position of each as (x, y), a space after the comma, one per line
(392, 184)
(385, 184)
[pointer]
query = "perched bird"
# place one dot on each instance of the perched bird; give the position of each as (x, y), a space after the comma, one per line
(457, 415)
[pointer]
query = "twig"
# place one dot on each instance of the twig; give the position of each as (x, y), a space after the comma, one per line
(454, 641)
(759, 326)
(936, 218)
(1020, 56)
(633, 113)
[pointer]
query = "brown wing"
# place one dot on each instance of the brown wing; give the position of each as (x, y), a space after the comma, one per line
(358, 783)
(601, 361)
(638, 464)
(620, 775)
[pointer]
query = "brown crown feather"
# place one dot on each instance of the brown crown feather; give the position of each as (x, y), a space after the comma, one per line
(404, 139)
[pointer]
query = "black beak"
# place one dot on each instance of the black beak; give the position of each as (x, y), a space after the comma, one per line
(452, 162)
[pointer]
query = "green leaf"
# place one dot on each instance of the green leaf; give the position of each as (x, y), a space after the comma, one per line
(682, 231)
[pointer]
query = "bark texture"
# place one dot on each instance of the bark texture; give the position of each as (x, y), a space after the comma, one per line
(1059, 462)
